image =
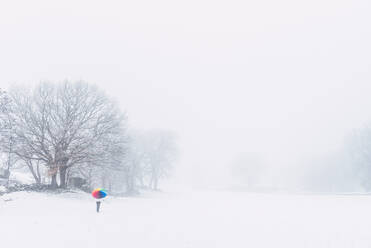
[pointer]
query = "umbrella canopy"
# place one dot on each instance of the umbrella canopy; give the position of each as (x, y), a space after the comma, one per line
(99, 193)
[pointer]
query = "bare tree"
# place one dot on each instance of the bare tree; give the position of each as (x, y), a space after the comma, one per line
(135, 163)
(64, 125)
(154, 154)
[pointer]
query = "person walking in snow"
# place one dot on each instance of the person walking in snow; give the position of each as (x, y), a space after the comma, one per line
(99, 194)
(98, 206)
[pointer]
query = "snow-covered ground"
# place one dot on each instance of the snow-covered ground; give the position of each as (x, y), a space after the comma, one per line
(193, 219)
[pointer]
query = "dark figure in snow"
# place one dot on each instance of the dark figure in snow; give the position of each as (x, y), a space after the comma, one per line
(98, 206)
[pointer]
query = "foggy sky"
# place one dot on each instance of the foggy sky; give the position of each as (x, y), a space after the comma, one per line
(282, 79)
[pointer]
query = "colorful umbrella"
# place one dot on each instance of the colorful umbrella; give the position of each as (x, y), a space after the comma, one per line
(99, 193)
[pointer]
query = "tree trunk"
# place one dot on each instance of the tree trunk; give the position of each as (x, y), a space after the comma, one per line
(9, 161)
(53, 183)
(30, 167)
(141, 181)
(62, 176)
(38, 181)
(155, 184)
(154, 180)
(68, 174)
(128, 183)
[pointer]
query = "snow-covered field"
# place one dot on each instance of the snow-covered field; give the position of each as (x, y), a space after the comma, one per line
(193, 219)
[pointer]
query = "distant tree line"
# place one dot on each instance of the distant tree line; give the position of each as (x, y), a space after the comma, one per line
(346, 168)
(359, 145)
(68, 130)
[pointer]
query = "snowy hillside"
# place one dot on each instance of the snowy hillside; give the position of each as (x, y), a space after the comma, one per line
(199, 220)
